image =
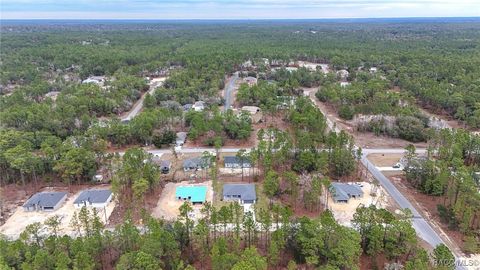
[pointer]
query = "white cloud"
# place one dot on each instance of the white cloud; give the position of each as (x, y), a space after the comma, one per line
(235, 9)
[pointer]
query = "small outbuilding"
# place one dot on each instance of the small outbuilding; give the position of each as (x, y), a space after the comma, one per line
(343, 74)
(193, 194)
(165, 166)
(342, 192)
(344, 84)
(235, 162)
(251, 109)
(98, 198)
(187, 107)
(199, 106)
(181, 138)
(254, 112)
(95, 80)
(251, 81)
(242, 193)
(45, 201)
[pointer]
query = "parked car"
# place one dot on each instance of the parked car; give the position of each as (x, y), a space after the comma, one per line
(397, 165)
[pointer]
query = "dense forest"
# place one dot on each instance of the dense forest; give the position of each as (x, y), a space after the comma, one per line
(451, 170)
(56, 127)
(223, 239)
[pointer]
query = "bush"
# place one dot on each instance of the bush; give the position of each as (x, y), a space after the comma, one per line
(346, 112)
(447, 216)
(166, 138)
(471, 244)
(411, 129)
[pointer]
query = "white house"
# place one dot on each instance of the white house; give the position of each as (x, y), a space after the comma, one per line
(251, 109)
(344, 84)
(199, 106)
(251, 81)
(98, 198)
(343, 74)
(95, 79)
(242, 193)
(235, 162)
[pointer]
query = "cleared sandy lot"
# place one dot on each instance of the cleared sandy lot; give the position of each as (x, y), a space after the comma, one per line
(236, 172)
(385, 160)
(168, 206)
(343, 212)
(17, 223)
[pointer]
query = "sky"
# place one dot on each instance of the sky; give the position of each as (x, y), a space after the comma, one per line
(235, 9)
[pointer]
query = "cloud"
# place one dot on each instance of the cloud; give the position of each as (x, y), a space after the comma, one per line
(235, 9)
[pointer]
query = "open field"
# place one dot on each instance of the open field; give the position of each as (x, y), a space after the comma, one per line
(168, 206)
(20, 219)
(384, 160)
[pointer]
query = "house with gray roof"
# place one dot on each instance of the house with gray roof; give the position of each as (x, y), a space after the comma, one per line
(242, 193)
(194, 164)
(187, 107)
(342, 192)
(181, 138)
(45, 201)
(235, 162)
(97, 198)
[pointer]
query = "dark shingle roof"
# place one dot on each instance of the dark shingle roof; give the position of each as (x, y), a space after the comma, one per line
(45, 199)
(196, 162)
(343, 192)
(165, 164)
(235, 160)
(246, 191)
(181, 136)
(93, 196)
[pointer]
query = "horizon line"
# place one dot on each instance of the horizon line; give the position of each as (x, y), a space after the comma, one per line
(241, 19)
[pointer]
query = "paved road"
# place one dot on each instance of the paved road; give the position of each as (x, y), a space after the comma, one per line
(421, 226)
(191, 150)
(426, 232)
(229, 89)
(137, 107)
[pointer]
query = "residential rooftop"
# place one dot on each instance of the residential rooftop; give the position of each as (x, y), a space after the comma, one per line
(45, 199)
(246, 191)
(93, 196)
(191, 193)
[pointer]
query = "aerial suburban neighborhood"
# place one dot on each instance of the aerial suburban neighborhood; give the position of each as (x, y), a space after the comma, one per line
(240, 145)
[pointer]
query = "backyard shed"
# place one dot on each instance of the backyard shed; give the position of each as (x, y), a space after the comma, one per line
(45, 201)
